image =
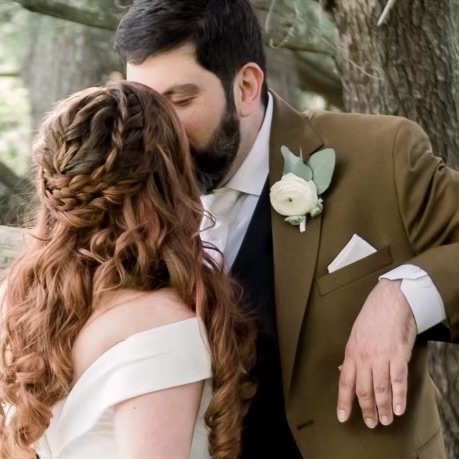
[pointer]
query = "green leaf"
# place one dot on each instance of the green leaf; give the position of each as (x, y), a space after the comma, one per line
(295, 164)
(322, 164)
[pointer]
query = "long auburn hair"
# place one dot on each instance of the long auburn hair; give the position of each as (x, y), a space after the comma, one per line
(118, 207)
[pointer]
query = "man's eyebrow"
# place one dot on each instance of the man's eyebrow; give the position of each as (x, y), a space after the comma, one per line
(189, 89)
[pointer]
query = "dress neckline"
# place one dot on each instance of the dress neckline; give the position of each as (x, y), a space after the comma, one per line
(135, 336)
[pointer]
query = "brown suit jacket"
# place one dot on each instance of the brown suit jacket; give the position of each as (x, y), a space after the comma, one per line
(389, 189)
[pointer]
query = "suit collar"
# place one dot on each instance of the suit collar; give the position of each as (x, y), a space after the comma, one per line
(295, 253)
(292, 129)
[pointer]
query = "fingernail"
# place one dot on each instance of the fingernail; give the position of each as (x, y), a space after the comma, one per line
(341, 416)
(385, 421)
(371, 423)
(398, 410)
(339, 368)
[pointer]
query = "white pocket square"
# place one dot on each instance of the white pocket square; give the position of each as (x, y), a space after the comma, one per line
(355, 250)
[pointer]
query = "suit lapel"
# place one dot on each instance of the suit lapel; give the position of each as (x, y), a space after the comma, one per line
(295, 253)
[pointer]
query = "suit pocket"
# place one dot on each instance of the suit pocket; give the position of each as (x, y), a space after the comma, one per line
(433, 448)
(355, 271)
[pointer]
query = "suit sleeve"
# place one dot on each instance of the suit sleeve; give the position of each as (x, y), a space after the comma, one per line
(428, 196)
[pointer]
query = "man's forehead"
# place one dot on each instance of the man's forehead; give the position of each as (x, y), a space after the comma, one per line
(164, 85)
(168, 72)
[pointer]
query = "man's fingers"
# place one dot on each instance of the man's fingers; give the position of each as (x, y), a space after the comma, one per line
(376, 355)
(399, 382)
(364, 391)
(383, 393)
(346, 391)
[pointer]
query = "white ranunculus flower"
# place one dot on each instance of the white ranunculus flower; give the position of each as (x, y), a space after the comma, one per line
(293, 196)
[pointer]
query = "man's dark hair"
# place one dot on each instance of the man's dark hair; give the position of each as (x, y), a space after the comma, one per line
(225, 33)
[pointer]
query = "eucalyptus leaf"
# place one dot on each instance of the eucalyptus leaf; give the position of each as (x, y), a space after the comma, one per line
(322, 164)
(295, 164)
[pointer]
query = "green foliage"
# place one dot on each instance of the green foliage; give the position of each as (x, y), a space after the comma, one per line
(319, 168)
(295, 164)
(322, 164)
(15, 36)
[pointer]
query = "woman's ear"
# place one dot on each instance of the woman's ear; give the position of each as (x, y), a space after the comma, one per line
(248, 88)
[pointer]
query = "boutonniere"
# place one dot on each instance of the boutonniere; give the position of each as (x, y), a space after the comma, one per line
(297, 194)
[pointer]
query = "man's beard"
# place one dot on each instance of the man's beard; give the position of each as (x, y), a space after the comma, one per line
(214, 162)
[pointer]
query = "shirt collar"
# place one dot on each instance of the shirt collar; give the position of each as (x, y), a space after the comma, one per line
(251, 176)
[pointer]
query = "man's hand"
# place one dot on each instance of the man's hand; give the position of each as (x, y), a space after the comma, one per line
(376, 358)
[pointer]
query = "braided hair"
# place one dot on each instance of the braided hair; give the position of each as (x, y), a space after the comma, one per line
(118, 207)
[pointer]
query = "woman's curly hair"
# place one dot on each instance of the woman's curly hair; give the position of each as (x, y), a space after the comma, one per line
(118, 207)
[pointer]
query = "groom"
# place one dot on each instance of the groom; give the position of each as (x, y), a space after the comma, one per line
(342, 355)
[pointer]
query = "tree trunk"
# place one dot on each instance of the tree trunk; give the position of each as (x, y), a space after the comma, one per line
(444, 367)
(409, 66)
(65, 58)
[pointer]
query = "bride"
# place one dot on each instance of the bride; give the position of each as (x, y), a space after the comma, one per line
(121, 337)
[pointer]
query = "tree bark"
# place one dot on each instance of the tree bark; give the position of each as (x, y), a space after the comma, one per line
(409, 66)
(444, 367)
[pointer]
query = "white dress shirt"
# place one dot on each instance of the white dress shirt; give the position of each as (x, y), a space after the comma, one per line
(234, 205)
(244, 190)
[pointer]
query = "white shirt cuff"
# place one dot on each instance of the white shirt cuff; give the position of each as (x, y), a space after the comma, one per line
(422, 295)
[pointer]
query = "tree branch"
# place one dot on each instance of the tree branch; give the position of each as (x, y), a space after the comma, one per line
(301, 47)
(12, 181)
(279, 33)
(109, 21)
(86, 16)
(389, 5)
(327, 5)
(10, 74)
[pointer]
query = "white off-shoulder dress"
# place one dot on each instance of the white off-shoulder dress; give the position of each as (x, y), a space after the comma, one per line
(156, 359)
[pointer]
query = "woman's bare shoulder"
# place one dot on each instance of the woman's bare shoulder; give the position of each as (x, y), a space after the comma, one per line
(122, 315)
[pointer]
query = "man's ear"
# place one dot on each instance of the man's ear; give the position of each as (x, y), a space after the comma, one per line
(248, 87)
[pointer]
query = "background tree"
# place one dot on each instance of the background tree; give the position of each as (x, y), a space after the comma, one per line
(414, 66)
(57, 48)
(14, 106)
(52, 58)
(298, 34)
(65, 57)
